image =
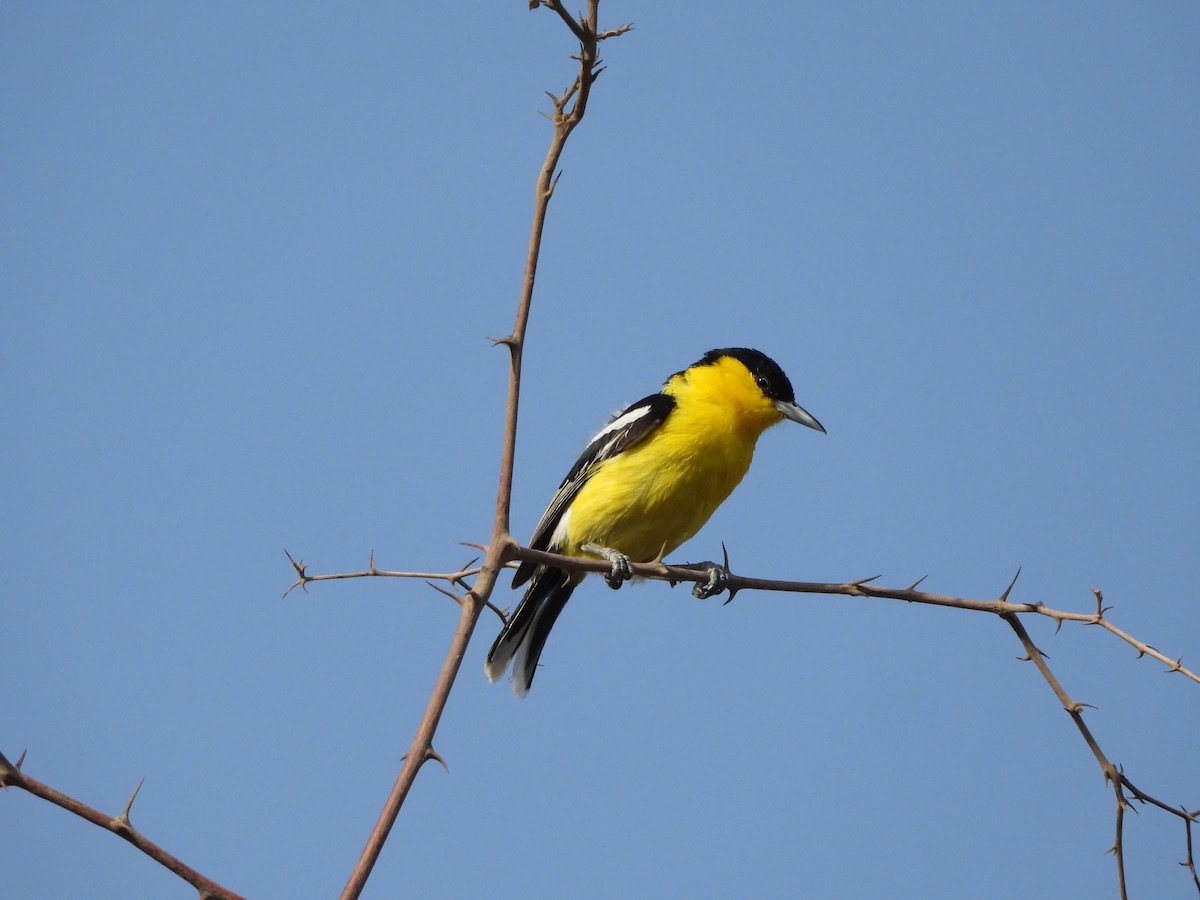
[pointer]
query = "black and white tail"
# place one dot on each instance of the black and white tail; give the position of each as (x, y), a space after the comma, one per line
(524, 634)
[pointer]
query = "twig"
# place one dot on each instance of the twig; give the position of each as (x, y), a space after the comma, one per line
(303, 579)
(12, 776)
(1113, 775)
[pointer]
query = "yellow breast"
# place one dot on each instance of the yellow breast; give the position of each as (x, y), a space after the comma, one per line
(653, 497)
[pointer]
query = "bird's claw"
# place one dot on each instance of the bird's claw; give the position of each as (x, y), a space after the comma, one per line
(621, 570)
(718, 580)
(621, 573)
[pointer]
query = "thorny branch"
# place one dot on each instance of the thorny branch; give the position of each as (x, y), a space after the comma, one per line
(1113, 774)
(699, 573)
(11, 775)
(569, 109)
(1009, 611)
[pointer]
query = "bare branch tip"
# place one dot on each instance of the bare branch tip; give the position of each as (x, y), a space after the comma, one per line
(615, 32)
(302, 584)
(298, 565)
(8, 770)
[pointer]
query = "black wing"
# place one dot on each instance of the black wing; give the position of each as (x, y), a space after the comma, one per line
(628, 428)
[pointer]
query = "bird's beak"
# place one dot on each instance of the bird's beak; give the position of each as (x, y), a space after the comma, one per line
(793, 411)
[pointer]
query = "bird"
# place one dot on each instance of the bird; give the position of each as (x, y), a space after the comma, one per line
(645, 484)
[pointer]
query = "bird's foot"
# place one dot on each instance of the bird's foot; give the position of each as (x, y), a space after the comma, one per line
(718, 580)
(621, 572)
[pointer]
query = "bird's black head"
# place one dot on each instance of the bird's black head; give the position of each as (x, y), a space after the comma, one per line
(767, 374)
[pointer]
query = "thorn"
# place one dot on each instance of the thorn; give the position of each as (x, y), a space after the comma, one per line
(863, 581)
(729, 589)
(473, 545)
(1008, 590)
(121, 822)
(298, 566)
(301, 571)
(430, 753)
(1057, 625)
(913, 586)
(441, 590)
(7, 769)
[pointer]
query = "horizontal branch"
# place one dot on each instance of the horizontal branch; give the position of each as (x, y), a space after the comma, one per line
(699, 573)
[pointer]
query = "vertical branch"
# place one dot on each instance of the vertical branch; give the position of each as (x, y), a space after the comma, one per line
(566, 116)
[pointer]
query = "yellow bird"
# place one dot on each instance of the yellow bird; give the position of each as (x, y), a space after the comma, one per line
(645, 484)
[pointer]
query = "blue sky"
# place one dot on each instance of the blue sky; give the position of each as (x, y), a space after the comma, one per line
(251, 257)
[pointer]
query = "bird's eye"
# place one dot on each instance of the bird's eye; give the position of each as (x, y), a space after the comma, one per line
(762, 383)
